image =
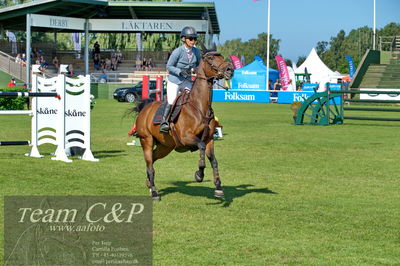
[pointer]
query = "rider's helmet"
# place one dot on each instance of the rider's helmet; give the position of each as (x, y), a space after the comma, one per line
(189, 32)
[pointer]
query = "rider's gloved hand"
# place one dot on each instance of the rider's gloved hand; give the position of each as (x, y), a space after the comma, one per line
(185, 73)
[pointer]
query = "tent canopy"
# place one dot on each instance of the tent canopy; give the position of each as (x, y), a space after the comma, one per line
(252, 76)
(320, 73)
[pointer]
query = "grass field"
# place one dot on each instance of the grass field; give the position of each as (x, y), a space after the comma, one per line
(294, 195)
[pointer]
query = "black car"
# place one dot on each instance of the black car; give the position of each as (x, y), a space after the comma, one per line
(134, 93)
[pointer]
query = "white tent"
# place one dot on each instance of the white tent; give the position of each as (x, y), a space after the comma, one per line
(320, 73)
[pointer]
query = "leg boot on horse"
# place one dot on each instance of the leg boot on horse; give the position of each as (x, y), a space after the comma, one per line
(164, 126)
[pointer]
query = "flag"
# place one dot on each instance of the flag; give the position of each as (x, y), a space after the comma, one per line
(283, 72)
(76, 40)
(13, 39)
(352, 69)
(236, 62)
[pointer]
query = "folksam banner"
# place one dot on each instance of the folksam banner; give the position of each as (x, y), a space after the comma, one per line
(251, 96)
(352, 69)
(283, 72)
(236, 62)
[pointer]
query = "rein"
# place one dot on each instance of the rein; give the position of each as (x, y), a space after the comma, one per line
(210, 80)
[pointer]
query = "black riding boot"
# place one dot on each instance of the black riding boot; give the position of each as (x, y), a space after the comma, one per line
(164, 126)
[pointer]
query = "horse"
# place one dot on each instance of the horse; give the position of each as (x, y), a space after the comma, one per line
(194, 128)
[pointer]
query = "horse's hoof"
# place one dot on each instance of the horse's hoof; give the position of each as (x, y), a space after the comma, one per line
(218, 193)
(155, 195)
(198, 177)
(157, 198)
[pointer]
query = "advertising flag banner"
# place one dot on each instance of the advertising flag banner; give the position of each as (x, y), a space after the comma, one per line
(283, 72)
(236, 62)
(352, 69)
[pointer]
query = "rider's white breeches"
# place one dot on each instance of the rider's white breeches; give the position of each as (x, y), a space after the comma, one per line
(172, 89)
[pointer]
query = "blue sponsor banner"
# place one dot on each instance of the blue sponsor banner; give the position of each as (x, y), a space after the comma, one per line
(335, 87)
(251, 96)
(310, 86)
(293, 96)
(255, 82)
(352, 68)
(299, 96)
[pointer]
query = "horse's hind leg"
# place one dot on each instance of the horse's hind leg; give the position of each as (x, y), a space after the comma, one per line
(214, 164)
(147, 146)
(199, 175)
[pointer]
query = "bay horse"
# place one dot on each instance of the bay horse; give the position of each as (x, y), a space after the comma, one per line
(194, 128)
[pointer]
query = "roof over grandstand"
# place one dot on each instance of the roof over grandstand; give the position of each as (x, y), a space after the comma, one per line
(14, 17)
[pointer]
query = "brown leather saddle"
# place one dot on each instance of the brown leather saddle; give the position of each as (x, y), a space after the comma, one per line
(179, 102)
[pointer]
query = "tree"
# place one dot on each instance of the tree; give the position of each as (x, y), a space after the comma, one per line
(321, 47)
(300, 60)
(251, 48)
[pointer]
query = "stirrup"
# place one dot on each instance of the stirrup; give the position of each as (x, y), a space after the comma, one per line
(164, 128)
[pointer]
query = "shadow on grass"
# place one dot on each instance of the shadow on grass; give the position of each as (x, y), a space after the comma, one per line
(106, 154)
(231, 192)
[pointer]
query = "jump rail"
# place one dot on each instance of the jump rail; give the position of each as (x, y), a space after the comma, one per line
(325, 108)
(27, 94)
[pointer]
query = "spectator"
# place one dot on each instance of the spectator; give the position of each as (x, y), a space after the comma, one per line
(138, 63)
(18, 59)
(11, 83)
(144, 64)
(56, 63)
(278, 85)
(96, 48)
(119, 57)
(114, 63)
(43, 63)
(103, 77)
(270, 87)
(299, 88)
(149, 64)
(23, 60)
(102, 63)
(108, 64)
(96, 62)
(70, 72)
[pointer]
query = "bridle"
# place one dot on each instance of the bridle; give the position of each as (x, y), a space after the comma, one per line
(220, 71)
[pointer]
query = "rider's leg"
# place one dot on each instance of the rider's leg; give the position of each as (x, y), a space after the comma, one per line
(172, 91)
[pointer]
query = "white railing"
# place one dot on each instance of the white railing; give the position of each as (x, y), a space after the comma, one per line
(8, 65)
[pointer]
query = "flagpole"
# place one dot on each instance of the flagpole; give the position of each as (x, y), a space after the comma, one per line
(268, 33)
(373, 41)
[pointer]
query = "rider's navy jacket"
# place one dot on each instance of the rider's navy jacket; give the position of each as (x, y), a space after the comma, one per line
(179, 60)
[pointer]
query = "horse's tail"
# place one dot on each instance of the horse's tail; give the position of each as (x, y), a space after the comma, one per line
(139, 107)
(142, 104)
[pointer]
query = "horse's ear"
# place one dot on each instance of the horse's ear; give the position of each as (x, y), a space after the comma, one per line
(203, 48)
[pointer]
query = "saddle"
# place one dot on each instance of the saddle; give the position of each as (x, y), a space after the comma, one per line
(176, 108)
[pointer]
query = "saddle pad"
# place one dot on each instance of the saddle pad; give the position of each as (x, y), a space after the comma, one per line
(158, 115)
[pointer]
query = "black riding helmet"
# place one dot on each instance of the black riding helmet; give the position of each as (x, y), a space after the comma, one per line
(189, 32)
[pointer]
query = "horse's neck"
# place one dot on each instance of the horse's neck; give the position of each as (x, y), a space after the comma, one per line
(200, 93)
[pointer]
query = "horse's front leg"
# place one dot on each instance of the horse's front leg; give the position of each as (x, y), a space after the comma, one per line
(199, 175)
(214, 164)
(147, 146)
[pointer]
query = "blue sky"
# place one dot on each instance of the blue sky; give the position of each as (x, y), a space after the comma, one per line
(300, 24)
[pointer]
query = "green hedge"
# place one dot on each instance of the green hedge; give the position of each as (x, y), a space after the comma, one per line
(9, 103)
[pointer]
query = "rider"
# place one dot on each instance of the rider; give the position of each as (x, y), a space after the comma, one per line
(180, 66)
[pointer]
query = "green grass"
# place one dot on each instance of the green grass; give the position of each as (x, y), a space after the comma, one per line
(5, 78)
(295, 195)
